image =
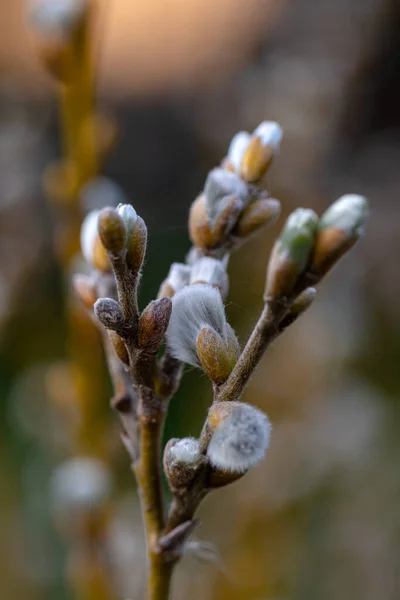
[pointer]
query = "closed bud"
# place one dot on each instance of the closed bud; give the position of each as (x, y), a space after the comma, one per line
(216, 355)
(119, 346)
(262, 147)
(92, 248)
(239, 434)
(177, 278)
(85, 289)
(291, 253)
(219, 185)
(109, 313)
(136, 245)
(258, 214)
(153, 324)
(339, 229)
(182, 459)
(112, 231)
(211, 271)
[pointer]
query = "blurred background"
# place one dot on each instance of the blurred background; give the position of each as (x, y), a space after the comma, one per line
(320, 517)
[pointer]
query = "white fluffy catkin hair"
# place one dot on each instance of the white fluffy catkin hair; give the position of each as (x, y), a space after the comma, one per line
(193, 308)
(240, 440)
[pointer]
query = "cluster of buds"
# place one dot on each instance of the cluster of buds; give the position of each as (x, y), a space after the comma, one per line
(309, 247)
(234, 439)
(233, 204)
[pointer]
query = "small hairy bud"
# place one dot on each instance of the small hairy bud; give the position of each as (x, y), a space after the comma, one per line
(57, 17)
(85, 289)
(178, 276)
(339, 229)
(291, 253)
(182, 458)
(112, 231)
(258, 214)
(136, 245)
(240, 438)
(237, 149)
(217, 356)
(211, 271)
(153, 324)
(219, 185)
(100, 192)
(80, 485)
(194, 307)
(119, 346)
(262, 147)
(92, 248)
(109, 313)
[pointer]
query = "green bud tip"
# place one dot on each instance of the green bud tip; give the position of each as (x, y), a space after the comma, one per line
(298, 235)
(348, 213)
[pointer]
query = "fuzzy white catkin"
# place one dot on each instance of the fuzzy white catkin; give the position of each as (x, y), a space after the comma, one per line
(211, 271)
(194, 307)
(237, 148)
(56, 17)
(240, 440)
(89, 233)
(81, 483)
(270, 134)
(186, 452)
(178, 276)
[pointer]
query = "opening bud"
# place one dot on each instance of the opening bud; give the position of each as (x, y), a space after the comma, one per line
(240, 435)
(219, 185)
(217, 356)
(129, 217)
(193, 308)
(262, 147)
(207, 235)
(237, 149)
(211, 271)
(339, 229)
(182, 459)
(291, 253)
